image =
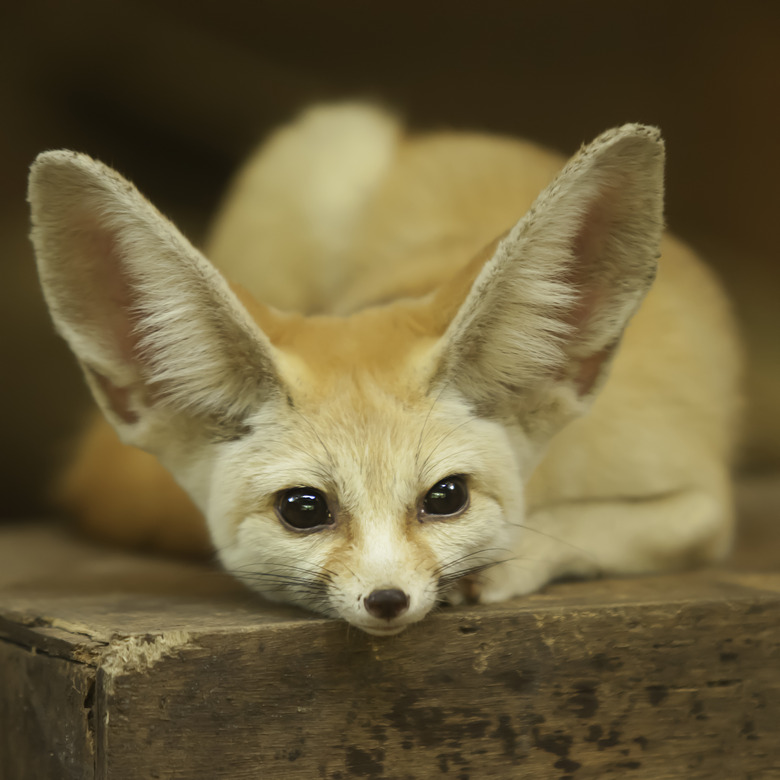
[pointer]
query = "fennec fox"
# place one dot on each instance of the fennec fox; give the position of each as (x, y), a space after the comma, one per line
(423, 378)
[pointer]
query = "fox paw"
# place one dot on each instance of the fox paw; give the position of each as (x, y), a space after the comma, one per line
(464, 591)
(511, 579)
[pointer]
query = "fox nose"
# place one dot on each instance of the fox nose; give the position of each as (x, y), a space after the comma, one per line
(388, 603)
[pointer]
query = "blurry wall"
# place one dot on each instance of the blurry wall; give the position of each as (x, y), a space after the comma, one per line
(174, 93)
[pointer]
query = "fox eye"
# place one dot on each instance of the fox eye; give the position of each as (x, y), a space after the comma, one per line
(448, 497)
(304, 509)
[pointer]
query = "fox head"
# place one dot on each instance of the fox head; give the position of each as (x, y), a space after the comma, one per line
(358, 466)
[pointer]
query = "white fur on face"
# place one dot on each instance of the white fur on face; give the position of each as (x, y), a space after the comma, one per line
(375, 458)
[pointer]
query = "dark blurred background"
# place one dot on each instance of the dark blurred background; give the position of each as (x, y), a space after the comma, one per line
(175, 93)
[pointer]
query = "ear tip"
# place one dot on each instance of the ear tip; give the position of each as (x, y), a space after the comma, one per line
(634, 135)
(627, 145)
(63, 170)
(648, 134)
(58, 158)
(56, 162)
(651, 132)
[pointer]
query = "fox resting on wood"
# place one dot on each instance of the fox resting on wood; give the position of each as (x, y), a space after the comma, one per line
(428, 367)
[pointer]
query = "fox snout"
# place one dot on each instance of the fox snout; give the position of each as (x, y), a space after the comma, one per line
(387, 606)
(387, 603)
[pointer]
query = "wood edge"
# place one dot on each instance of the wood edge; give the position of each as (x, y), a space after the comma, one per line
(39, 637)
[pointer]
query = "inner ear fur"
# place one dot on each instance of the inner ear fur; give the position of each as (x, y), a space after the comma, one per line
(548, 308)
(150, 319)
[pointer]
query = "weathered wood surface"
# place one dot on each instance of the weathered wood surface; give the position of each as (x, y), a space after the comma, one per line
(119, 666)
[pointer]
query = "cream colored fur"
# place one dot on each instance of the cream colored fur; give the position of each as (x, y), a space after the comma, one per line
(401, 309)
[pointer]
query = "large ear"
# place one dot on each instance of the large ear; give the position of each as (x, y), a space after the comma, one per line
(546, 312)
(153, 324)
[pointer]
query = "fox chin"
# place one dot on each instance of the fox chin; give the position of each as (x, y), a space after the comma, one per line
(413, 368)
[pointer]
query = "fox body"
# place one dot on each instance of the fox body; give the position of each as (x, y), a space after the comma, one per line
(440, 366)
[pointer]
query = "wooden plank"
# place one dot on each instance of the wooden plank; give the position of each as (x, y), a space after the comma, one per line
(689, 690)
(46, 716)
(634, 690)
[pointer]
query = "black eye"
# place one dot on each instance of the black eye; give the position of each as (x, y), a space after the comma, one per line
(448, 497)
(304, 509)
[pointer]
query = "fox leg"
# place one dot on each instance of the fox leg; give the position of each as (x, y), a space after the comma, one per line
(621, 536)
(123, 495)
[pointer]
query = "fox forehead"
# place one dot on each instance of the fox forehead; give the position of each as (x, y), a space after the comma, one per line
(375, 453)
(358, 439)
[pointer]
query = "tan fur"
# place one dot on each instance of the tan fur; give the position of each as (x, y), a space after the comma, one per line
(435, 335)
(122, 495)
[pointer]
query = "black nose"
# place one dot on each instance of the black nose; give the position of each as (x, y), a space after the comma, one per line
(387, 604)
